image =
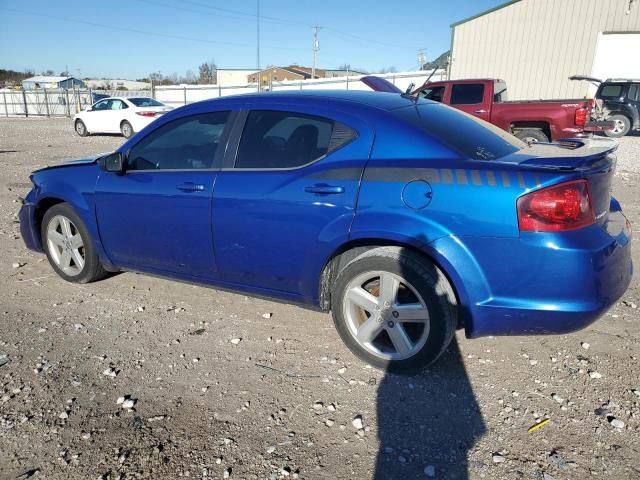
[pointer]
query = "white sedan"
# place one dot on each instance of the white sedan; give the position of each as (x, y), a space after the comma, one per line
(118, 115)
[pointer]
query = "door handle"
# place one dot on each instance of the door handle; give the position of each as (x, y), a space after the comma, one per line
(324, 189)
(482, 110)
(190, 187)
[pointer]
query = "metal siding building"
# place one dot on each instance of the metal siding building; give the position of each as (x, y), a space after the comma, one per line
(535, 45)
(51, 81)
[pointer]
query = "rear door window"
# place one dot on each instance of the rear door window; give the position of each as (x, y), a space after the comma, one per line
(467, 93)
(634, 92)
(117, 105)
(480, 141)
(280, 140)
(611, 91)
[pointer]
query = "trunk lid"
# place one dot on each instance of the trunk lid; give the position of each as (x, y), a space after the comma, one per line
(593, 159)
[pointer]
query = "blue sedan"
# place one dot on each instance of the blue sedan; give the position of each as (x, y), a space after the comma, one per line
(403, 217)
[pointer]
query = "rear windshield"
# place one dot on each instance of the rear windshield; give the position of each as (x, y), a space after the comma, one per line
(145, 102)
(471, 137)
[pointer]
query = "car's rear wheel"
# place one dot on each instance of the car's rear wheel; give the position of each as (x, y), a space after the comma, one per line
(394, 309)
(621, 126)
(81, 128)
(69, 246)
(126, 129)
(532, 135)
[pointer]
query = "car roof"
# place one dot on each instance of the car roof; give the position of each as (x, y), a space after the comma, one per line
(379, 100)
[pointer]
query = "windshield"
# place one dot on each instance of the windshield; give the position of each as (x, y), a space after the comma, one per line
(473, 138)
(145, 102)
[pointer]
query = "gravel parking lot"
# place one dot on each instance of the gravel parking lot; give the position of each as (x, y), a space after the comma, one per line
(221, 385)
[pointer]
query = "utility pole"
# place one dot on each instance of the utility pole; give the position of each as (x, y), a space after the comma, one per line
(258, 36)
(315, 48)
(422, 58)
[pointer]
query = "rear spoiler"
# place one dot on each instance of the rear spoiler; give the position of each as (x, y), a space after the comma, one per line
(582, 153)
(379, 84)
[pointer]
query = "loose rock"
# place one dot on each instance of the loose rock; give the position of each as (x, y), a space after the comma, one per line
(616, 423)
(357, 422)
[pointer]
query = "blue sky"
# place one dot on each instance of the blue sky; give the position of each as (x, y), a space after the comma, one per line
(131, 38)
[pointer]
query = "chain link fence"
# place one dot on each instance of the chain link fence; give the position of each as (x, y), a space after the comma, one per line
(66, 103)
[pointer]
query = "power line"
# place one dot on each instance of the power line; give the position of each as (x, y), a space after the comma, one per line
(287, 21)
(239, 12)
(140, 32)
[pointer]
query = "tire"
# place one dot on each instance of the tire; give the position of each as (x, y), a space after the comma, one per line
(532, 135)
(71, 252)
(80, 128)
(126, 129)
(622, 125)
(422, 287)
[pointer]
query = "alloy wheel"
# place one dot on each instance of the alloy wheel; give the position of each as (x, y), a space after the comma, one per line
(618, 126)
(386, 315)
(65, 245)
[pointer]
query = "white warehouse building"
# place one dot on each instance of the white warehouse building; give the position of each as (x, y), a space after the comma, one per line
(536, 45)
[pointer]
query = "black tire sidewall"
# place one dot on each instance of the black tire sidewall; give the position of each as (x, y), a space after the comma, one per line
(92, 266)
(424, 282)
(627, 123)
(537, 134)
(122, 129)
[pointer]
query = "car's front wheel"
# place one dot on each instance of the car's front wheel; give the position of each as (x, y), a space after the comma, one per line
(394, 309)
(126, 129)
(69, 246)
(81, 128)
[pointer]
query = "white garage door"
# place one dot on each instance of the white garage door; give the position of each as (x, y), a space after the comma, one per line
(617, 56)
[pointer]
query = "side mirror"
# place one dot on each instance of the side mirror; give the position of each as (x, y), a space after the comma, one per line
(114, 163)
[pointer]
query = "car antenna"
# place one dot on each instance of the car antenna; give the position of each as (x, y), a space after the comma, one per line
(415, 97)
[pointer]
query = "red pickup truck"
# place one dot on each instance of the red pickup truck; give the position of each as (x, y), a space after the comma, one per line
(538, 120)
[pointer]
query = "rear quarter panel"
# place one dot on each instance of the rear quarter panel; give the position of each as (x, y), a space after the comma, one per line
(470, 200)
(559, 115)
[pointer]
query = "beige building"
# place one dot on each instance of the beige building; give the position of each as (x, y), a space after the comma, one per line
(233, 76)
(535, 45)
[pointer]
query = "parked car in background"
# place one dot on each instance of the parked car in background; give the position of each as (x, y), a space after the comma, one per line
(403, 217)
(617, 101)
(531, 121)
(125, 115)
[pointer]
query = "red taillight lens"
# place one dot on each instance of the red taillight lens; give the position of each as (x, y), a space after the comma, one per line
(147, 114)
(562, 207)
(581, 116)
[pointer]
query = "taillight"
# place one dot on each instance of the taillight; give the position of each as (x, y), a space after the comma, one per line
(566, 206)
(147, 114)
(581, 116)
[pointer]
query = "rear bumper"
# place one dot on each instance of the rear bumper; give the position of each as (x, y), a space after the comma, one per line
(598, 126)
(139, 122)
(545, 283)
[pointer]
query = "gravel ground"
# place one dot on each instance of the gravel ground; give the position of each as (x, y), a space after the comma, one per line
(221, 385)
